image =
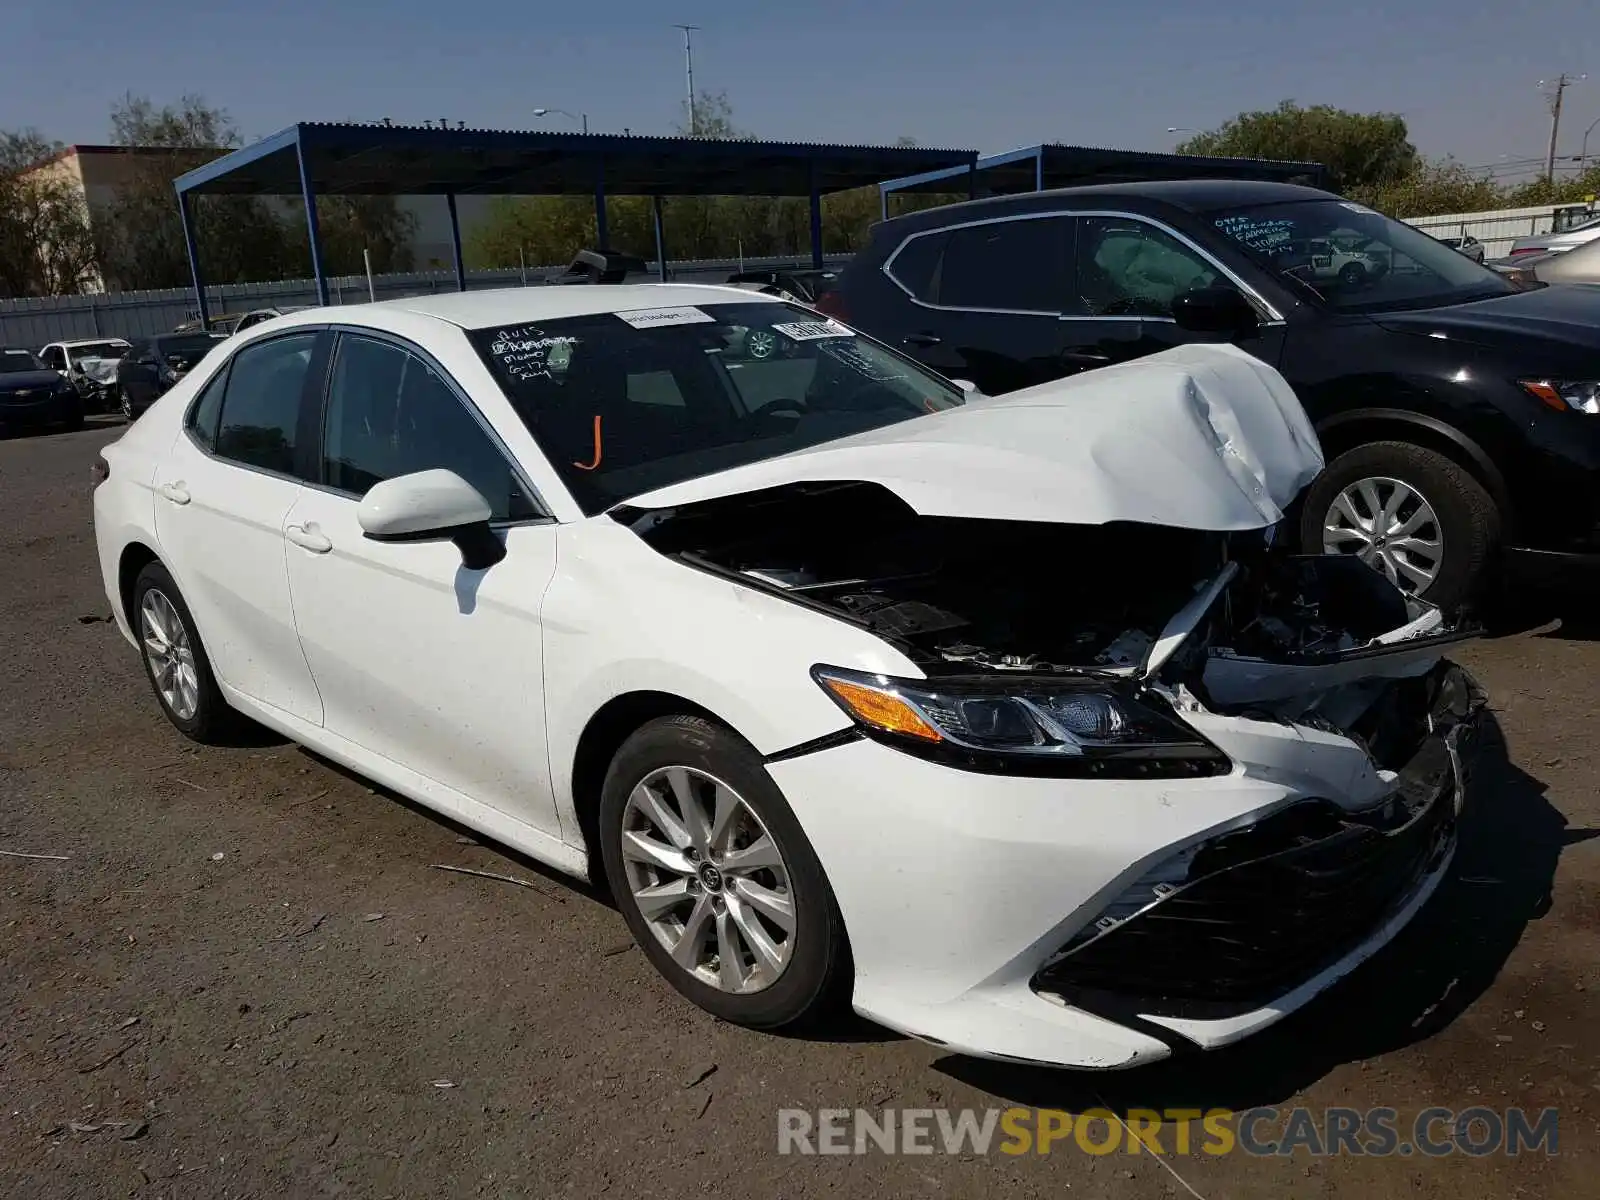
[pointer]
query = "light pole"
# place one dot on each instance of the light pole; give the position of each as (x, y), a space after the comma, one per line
(581, 118)
(1583, 155)
(688, 70)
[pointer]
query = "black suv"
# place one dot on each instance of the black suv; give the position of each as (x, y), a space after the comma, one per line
(1458, 415)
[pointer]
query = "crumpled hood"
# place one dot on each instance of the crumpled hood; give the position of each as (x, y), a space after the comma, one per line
(101, 370)
(1199, 437)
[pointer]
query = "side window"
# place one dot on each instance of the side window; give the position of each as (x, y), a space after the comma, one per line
(1128, 268)
(390, 414)
(261, 403)
(203, 413)
(916, 266)
(1018, 265)
(54, 357)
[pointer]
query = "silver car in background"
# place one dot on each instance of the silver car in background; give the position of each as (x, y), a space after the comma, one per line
(1567, 239)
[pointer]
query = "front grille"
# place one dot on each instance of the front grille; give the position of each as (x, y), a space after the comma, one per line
(1246, 917)
(1302, 889)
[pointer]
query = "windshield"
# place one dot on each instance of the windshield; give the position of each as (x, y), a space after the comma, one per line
(1356, 260)
(623, 403)
(98, 350)
(15, 362)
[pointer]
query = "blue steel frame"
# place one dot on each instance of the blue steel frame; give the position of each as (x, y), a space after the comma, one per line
(301, 138)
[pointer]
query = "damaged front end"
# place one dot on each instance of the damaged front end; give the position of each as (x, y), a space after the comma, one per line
(1127, 651)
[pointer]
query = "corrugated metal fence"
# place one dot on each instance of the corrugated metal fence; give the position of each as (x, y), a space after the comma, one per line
(1496, 230)
(37, 321)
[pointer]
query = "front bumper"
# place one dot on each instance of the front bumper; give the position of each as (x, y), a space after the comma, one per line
(968, 897)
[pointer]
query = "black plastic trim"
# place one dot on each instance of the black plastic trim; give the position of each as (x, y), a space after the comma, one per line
(828, 741)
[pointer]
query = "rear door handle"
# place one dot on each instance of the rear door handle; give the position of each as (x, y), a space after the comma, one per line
(308, 537)
(175, 492)
(921, 339)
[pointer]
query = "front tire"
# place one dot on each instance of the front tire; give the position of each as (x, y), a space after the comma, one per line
(175, 661)
(1409, 512)
(715, 877)
(125, 403)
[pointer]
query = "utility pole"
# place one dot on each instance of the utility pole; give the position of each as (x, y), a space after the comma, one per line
(688, 70)
(1558, 90)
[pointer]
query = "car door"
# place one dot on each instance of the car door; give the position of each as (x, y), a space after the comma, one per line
(1127, 272)
(223, 495)
(988, 298)
(418, 659)
(137, 372)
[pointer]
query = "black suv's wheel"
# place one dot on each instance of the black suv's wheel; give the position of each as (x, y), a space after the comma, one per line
(715, 877)
(175, 662)
(1352, 274)
(1408, 511)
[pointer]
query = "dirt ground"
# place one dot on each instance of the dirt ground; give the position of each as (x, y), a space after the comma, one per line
(248, 961)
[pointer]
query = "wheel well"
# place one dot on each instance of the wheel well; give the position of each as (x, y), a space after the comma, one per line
(602, 737)
(136, 556)
(1361, 431)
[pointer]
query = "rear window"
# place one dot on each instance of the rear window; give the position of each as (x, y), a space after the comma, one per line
(15, 362)
(623, 403)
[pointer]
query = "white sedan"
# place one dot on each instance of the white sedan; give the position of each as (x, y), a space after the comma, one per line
(1003, 720)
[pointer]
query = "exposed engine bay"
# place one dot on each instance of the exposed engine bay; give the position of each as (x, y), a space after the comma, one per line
(966, 596)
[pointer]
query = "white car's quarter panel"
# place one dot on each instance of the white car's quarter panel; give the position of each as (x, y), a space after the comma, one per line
(427, 663)
(621, 618)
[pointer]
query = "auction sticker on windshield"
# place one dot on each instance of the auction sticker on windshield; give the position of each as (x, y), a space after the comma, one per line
(811, 331)
(654, 318)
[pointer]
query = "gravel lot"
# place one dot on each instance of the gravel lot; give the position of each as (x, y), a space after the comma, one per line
(210, 967)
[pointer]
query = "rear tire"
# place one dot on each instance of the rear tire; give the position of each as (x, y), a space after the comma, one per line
(180, 676)
(717, 763)
(1468, 523)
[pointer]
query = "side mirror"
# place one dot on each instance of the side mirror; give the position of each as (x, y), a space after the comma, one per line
(1215, 310)
(428, 506)
(966, 385)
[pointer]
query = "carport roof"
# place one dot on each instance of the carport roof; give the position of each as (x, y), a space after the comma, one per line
(1052, 165)
(384, 159)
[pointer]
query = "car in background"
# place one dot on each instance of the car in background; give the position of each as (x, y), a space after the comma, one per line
(1459, 414)
(257, 315)
(598, 607)
(89, 365)
(153, 364)
(801, 286)
(32, 394)
(1465, 244)
(1580, 265)
(222, 323)
(1558, 242)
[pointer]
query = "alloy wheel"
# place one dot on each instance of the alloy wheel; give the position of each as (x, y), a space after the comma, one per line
(171, 658)
(1389, 525)
(761, 343)
(127, 403)
(708, 879)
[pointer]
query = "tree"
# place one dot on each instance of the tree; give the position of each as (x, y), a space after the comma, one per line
(45, 243)
(1363, 152)
(713, 118)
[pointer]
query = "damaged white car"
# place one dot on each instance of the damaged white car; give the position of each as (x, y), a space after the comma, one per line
(1004, 720)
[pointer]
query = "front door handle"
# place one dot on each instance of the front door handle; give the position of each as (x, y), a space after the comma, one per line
(175, 492)
(308, 537)
(921, 339)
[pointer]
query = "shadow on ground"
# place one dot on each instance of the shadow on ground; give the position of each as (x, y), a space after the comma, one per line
(1511, 838)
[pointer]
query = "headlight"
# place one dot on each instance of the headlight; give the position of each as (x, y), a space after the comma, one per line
(1565, 395)
(1077, 727)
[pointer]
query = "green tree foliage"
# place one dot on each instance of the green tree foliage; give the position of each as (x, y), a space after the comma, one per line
(45, 243)
(1362, 151)
(240, 238)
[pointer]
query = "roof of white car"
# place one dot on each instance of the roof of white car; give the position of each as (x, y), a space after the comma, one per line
(505, 306)
(90, 342)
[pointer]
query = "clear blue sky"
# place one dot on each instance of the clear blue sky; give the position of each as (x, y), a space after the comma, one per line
(992, 75)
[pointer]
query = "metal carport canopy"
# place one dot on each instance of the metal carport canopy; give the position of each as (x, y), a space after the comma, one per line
(1051, 165)
(317, 158)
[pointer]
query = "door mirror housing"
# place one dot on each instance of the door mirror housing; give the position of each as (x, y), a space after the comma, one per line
(966, 385)
(1215, 310)
(428, 506)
